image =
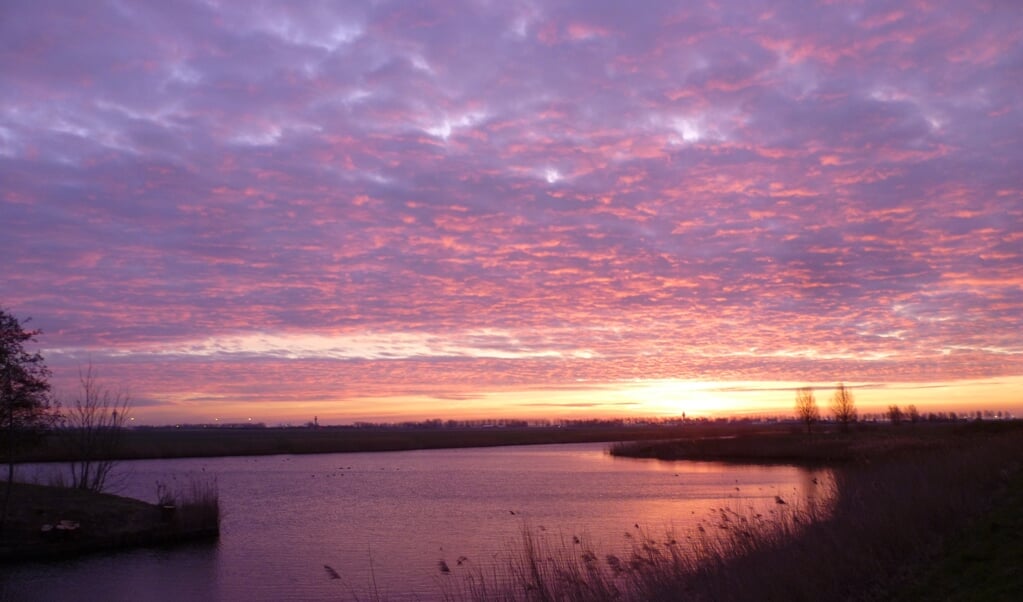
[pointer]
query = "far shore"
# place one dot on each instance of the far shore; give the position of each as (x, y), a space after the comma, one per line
(157, 443)
(826, 446)
(739, 441)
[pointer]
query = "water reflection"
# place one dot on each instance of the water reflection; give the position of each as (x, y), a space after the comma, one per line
(390, 518)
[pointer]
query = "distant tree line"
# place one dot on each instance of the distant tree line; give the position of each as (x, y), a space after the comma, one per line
(843, 411)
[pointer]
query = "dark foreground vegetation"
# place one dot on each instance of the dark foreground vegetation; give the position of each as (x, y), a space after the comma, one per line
(931, 514)
(47, 522)
(38, 522)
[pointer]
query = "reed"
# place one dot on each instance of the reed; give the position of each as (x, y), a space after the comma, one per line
(886, 519)
(193, 507)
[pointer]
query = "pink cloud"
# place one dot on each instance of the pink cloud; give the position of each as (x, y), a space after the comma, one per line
(831, 186)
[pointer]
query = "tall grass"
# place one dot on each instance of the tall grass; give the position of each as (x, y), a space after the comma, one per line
(650, 568)
(884, 518)
(194, 507)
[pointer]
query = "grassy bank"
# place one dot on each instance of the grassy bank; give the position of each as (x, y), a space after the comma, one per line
(866, 442)
(46, 523)
(902, 518)
(983, 562)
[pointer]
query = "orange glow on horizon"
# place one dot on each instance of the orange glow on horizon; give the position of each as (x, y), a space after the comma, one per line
(706, 215)
(636, 399)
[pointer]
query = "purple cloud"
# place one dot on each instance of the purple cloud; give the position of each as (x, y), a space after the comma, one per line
(540, 195)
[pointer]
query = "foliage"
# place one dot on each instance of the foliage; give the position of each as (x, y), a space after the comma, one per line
(806, 408)
(843, 406)
(25, 405)
(26, 410)
(94, 423)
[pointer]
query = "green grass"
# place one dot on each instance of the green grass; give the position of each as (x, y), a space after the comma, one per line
(983, 562)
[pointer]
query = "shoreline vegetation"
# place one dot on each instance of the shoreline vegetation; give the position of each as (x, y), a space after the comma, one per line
(827, 447)
(917, 513)
(49, 522)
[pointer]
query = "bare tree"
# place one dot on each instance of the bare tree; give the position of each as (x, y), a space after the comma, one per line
(26, 409)
(93, 427)
(894, 415)
(913, 414)
(843, 406)
(806, 408)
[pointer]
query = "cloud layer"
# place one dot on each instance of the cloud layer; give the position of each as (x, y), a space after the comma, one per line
(293, 202)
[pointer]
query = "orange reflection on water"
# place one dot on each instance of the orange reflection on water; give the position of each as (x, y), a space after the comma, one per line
(689, 502)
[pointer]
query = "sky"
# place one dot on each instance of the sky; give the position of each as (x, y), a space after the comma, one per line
(387, 210)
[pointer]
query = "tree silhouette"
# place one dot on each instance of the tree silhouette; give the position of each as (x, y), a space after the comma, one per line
(895, 415)
(806, 408)
(843, 406)
(25, 406)
(94, 421)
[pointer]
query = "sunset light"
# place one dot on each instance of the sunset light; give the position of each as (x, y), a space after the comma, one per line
(386, 211)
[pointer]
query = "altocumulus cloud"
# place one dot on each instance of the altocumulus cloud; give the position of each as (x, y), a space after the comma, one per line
(338, 198)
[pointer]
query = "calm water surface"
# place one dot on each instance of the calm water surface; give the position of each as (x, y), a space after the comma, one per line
(389, 518)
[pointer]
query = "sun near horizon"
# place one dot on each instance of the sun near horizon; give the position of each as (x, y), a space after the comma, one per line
(639, 400)
(365, 211)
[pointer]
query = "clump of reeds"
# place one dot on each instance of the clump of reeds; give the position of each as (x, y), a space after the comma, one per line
(647, 568)
(194, 507)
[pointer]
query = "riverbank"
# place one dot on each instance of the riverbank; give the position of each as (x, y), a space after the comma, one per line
(751, 442)
(154, 443)
(824, 447)
(982, 562)
(48, 523)
(933, 514)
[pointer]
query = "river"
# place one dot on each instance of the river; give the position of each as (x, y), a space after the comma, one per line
(383, 522)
